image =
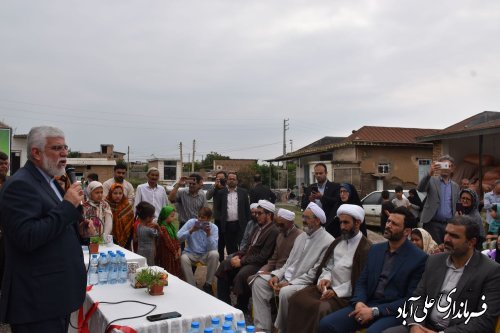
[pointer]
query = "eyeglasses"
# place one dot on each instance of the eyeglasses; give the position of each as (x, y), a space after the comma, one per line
(59, 148)
(259, 213)
(307, 217)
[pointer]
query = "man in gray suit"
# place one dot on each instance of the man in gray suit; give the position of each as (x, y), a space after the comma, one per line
(459, 290)
(442, 197)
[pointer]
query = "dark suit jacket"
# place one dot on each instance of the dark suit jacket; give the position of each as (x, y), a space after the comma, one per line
(261, 251)
(261, 192)
(243, 207)
(431, 185)
(329, 200)
(405, 275)
(480, 277)
(44, 271)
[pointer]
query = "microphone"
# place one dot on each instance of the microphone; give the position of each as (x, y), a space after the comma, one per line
(70, 172)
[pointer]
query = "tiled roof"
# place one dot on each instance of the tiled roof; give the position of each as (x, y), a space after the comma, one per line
(366, 135)
(2, 125)
(376, 134)
(481, 122)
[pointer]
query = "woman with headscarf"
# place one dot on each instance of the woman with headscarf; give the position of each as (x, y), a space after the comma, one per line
(348, 195)
(98, 211)
(415, 203)
(168, 248)
(123, 215)
(423, 240)
(468, 205)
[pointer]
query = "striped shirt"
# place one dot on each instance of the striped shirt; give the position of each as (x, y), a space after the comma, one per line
(188, 205)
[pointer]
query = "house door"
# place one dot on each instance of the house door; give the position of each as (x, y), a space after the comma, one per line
(424, 165)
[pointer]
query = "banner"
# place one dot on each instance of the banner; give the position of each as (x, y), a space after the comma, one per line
(5, 141)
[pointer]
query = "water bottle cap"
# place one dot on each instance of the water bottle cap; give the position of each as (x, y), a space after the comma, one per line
(240, 323)
(226, 326)
(250, 329)
(94, 256)
(228, 317)
(208, 330)
(216, 321)
(195, 324)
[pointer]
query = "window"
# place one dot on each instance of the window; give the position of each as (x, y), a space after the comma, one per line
(383, 168)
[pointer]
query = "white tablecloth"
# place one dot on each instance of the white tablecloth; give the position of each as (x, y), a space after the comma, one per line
(129, 255)
(191, 302)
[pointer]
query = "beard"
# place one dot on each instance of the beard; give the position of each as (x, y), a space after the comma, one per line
(393, 236)
(348, 234)
(51, 167)
(308, 230)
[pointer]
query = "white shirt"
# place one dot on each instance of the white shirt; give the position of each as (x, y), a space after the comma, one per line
(339, 267)
(232, 205)
(157, 196)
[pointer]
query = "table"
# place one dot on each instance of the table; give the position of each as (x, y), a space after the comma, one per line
(191, 302)
(129, 255)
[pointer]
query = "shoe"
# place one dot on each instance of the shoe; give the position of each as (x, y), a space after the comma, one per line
(208, 289)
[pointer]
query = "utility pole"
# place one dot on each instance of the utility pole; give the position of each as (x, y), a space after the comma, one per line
(192, 161)
(286, 127)
(291, 146)
(128, 162)
(180, 150)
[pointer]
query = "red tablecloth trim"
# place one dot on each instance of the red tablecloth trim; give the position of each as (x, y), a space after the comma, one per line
(124, 329)
(84, 327)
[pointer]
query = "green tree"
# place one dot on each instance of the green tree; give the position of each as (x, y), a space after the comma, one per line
(73, 154)
(208, 162)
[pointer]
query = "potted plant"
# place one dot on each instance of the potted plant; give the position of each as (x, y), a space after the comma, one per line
(153, 278)
(94, 244)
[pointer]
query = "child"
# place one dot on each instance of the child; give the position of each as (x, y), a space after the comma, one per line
(147, 231)
(168, 253)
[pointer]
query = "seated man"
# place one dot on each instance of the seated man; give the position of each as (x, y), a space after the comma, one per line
(335, 277)
(236, 269)
(201, 236)
(391, 274)
(251, 226)
(462, 275)
(284, 244)
(296, 274)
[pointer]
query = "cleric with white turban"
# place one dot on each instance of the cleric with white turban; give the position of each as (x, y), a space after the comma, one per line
(357, 212)
(286, 214)
(317, 211)
(267, 205)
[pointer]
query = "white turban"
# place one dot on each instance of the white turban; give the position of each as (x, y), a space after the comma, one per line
(269, 206)
(317, 211)
(286, 214)
(254, 205)
(357, 212)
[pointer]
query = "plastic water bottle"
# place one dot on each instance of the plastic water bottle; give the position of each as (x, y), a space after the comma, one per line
(226, 327)
(216, 325)
(113, 262)
(113, 276)
(195, 327)
(208, 330)
(103, 276)
(93, 270)
(250, 329)
(240, 327)
(103, 269)
(122, 260)
(228, 319)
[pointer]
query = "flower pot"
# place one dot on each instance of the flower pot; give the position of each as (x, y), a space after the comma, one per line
(94, 248)
(156, 289)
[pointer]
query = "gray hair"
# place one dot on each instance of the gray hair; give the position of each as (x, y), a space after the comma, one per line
(446, 158)
(37, 137)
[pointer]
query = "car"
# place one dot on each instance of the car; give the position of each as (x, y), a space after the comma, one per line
(207, 185)
(372, 204)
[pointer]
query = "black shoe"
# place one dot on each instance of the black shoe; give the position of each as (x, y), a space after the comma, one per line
(208, 289)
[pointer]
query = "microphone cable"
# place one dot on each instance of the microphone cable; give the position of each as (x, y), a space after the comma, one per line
(154, 306)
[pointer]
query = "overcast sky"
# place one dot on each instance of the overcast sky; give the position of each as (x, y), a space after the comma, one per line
(150, 74)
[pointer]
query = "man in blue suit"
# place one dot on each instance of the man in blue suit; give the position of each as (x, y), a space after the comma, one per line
(45, 277)
(392, 272)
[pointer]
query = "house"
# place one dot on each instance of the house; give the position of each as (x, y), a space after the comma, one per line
(103, 167)
(371, 158)
(237, 165)
(465, 141)
(170, 169)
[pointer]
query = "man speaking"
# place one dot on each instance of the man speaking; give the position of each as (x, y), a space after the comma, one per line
(45, 277)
